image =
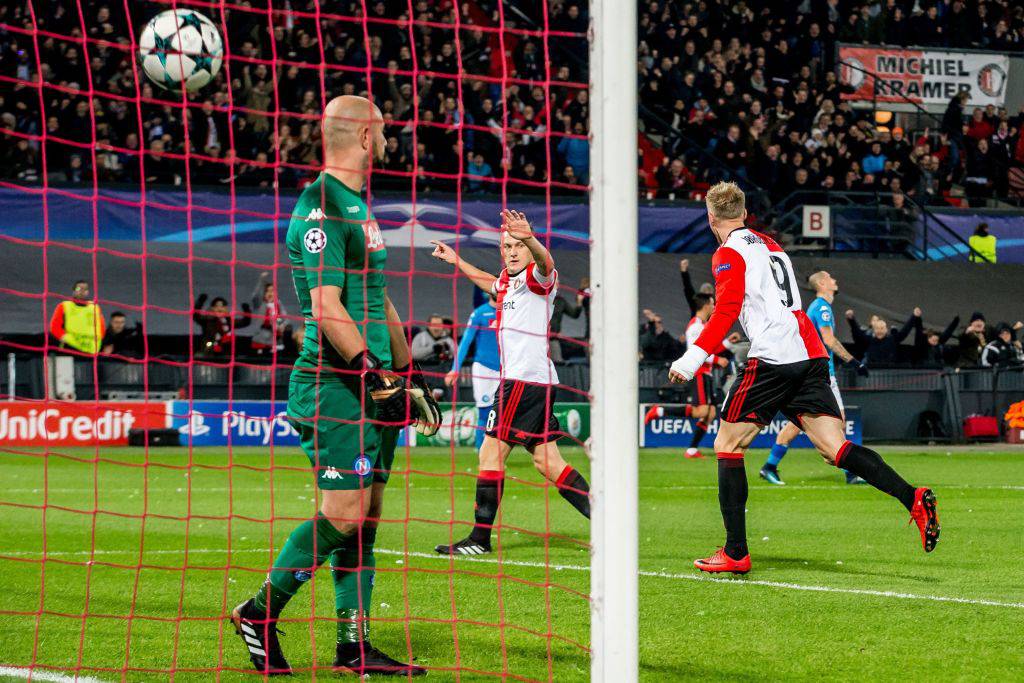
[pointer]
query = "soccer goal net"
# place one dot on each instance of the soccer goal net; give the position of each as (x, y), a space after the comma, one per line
(179, 202)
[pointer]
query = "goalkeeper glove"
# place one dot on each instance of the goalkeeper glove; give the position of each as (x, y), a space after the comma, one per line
(428, 413)
(385, 388)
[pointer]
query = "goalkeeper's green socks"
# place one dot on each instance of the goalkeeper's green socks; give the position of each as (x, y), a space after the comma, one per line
(352, 567)
(306, 549)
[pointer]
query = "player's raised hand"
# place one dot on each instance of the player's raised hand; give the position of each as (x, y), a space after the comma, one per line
(683, 265)
(443, 252)
(516, 224)
(451, 378)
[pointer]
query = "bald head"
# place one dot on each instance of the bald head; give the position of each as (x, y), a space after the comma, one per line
(351, 125)
(822, 282)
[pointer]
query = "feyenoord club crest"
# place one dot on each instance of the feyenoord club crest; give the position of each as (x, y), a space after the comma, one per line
(314, 240)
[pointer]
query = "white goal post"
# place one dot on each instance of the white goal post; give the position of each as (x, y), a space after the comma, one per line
(614, 585)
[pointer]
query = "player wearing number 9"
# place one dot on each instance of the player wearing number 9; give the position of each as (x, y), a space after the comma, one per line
(786, 371)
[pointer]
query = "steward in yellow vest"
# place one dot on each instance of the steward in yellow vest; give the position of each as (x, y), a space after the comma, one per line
(78, 324)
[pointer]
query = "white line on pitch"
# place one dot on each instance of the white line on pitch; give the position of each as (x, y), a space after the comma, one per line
(44, 675)
(583, 568)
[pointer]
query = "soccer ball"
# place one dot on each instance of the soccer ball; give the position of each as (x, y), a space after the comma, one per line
(181, 48)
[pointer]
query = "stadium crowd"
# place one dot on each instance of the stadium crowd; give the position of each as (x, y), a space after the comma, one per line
(495, 125)
(752, 87)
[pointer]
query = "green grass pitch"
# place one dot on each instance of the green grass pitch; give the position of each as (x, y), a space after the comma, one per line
(840, 587)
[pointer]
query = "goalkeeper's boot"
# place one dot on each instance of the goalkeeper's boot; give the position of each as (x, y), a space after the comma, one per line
(926, 515)
(260, 637)
(693, 453)
(720, 562)
(466, 546)
(366, 660)
(771, 475)
(653, 413)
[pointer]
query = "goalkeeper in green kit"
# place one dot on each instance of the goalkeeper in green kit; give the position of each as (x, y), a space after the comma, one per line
(351, 391)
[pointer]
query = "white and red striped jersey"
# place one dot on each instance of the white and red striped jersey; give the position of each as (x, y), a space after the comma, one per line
(693, 330)
(755, 283)
(525, 303)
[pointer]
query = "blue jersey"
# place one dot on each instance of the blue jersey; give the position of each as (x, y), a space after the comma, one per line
(820, 313)
(481, 335)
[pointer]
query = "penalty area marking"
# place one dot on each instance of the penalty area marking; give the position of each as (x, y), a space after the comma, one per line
(739, 582)
(44, 675)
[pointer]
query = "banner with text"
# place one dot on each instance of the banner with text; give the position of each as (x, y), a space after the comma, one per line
(60, 423)
(923, 76)
(460, 425)
(676, 432)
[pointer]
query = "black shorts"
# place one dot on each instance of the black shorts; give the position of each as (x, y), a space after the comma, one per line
(761, 390)
(521, 414)
(702, 390)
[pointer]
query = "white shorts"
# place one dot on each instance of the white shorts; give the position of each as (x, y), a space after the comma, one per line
(835, 390)
(485, 385)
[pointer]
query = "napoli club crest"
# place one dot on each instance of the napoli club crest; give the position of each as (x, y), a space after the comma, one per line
(362, 466)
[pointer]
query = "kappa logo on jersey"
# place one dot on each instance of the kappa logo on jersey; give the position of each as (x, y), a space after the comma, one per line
(316, 214)
(314, 240)
(331, 473)
(722, 266)
(374, 237)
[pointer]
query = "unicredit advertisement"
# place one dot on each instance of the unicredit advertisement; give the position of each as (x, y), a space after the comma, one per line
(60, 423)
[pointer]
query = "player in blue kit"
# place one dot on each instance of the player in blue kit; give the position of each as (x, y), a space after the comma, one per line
(481, 337)
(820, 313)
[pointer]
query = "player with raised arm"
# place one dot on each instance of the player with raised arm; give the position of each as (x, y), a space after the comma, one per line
(343, 399)
(786, 371)
(521, 414)
(481, 337)
(820, 314)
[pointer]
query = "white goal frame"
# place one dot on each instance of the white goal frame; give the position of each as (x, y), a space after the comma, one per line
(614, 536)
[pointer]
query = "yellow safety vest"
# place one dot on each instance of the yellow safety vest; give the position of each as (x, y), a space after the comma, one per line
(986, 246)
(83, 325)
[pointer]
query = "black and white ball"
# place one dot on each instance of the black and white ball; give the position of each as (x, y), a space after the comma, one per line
(181, 49)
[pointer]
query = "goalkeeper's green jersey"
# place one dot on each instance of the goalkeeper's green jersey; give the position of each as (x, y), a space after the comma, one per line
(333, 239)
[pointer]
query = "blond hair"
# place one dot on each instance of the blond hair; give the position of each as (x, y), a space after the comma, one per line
(814, 279)
(726, 201)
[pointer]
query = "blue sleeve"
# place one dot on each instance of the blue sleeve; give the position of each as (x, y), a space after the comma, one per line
(822, 316)
(472, 327)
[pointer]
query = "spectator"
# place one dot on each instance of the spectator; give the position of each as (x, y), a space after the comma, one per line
(930, 350)
(434, 344)
(875, 161)
(972, 341)
(562, 307)
(121, 340)
(656, 344)
(269, 314)
(218, 330)
(983, 245)
(78, 323)
(476, 171)
(881, 347)
(575, 151)
(1004, 350)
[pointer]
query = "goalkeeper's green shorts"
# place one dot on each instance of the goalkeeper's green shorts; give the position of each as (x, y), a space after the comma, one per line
(347, 450)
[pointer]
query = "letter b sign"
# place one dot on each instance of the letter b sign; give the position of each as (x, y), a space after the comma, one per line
(817, 221)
